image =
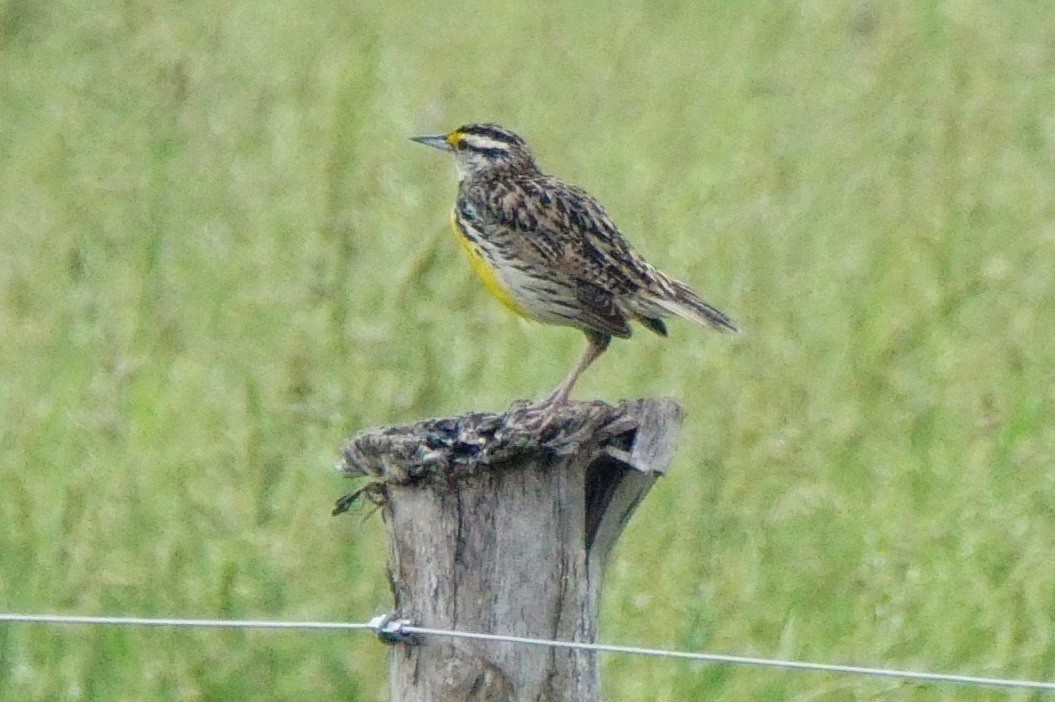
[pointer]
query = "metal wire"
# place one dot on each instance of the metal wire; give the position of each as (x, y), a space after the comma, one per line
(392, 630)
(739, 660)
(201, 623)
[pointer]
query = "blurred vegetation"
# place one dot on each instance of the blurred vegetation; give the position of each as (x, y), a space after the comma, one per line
(219, 256)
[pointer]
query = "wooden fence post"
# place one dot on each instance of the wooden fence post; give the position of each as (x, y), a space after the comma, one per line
(497, 527)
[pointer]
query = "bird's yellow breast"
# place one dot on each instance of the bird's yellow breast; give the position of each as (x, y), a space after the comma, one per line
(485, 269)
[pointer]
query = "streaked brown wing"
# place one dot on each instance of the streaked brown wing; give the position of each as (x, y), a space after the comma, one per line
(551, 232)
(569, 229)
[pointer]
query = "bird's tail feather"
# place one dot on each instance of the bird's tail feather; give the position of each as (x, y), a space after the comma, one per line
(688, 305)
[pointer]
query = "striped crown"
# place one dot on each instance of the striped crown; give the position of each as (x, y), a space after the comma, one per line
(481, 148)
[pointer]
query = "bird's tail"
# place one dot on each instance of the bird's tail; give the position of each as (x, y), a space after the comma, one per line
(688, 305)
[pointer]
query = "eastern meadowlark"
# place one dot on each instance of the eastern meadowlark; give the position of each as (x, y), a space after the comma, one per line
(549, 252)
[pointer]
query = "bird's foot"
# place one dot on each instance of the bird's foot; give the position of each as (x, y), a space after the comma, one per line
(542, 414)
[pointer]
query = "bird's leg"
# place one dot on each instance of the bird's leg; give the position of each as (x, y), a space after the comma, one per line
(596, 345)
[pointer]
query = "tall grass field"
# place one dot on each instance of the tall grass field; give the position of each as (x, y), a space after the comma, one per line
(220, 256)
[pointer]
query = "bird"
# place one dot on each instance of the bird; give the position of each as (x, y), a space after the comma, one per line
(549, 251)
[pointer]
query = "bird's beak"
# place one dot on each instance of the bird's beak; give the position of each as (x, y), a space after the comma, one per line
(437, 142)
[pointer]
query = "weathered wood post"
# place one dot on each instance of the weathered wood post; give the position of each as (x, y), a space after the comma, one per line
(496, 526)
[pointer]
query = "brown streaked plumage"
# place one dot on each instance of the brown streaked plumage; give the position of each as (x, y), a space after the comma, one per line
(550, 252)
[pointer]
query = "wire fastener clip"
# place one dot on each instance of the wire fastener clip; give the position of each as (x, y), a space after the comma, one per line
(390, 630)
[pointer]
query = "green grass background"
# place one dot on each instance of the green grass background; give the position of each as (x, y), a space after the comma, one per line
(219, 256)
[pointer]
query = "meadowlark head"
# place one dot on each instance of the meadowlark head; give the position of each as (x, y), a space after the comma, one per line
(482, 148)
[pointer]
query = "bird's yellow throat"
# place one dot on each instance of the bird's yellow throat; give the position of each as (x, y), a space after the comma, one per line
(484, 269)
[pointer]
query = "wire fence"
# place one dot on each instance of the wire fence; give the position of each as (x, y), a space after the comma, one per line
(393, 630)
